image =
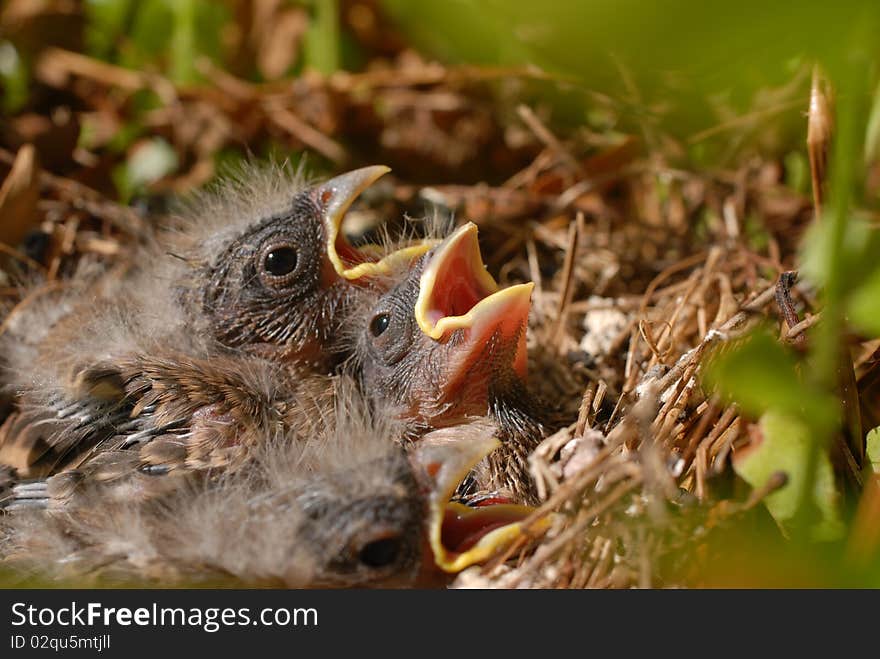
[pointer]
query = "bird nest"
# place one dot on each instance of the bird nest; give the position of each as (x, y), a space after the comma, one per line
(641, 270)
(624, 313)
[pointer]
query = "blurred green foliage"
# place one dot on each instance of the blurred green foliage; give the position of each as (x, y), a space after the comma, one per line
(784, 446)
(861, 266)
(145, 34)
(864, 304)
(13, 77)
(169, 37)
(680, 65)
(322, 40)
(872, 449)
(795, 415)
(762, 375)
(800, 399)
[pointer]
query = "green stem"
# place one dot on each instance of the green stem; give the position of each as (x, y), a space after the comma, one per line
(183, 41)
(323, 40)
(851, 77)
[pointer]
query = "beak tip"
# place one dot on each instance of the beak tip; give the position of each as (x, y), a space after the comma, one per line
(336, 196)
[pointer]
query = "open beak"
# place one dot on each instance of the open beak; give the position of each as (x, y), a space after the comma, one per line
(335, 198)
(457, 293)
(460, 536)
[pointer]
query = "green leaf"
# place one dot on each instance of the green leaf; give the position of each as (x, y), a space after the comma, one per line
(149, 36)
(860, 253)
(183, 46)
(106, 21)
(322, 39)
(784, 446)
(872, 449)
(761, 375)
(797, 171)
(14, 78)
(864, 306)
(872, 134)
(859, 269)
(198, 25)
(211, 20)
(163, 35)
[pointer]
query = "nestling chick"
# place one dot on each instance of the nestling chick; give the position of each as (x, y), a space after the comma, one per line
(269, 270)
(445, 344)
(257, 265)
(349, 508)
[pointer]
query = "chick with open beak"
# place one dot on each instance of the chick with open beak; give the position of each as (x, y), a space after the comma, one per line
(348, 508)
(445, 343)
(279, 286)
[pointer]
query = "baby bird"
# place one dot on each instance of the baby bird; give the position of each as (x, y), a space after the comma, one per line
(257, 265)
(443, 344)
(182, 358)
(265, 267)
(348, 508)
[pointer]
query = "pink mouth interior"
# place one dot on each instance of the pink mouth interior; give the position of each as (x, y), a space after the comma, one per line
(461, 532)
(456, 290)
(349, 255)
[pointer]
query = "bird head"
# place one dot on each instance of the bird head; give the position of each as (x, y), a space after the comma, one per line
(277, 276)
(458, 535)
(392, 523)
(440, 341)
(363, 523)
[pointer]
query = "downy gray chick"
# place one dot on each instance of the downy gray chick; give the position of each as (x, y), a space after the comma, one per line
(349, 508)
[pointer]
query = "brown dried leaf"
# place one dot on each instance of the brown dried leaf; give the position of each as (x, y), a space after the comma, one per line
(18, 197)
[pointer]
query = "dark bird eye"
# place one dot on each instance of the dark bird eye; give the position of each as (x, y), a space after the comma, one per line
(380, 553)
(280, 261)
(379, 324)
